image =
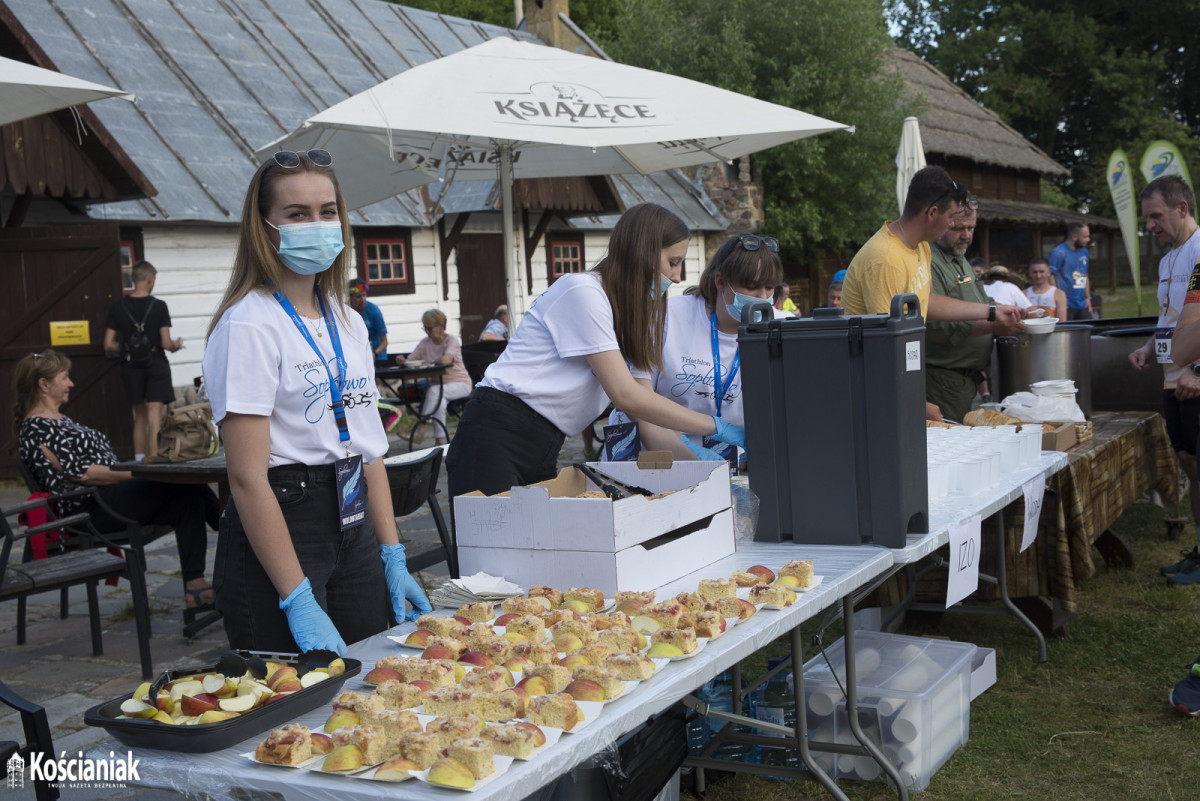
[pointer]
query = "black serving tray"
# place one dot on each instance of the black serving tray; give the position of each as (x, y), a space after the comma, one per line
(199, 738)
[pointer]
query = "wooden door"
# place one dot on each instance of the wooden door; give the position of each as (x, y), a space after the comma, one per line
(63, 273)
(480, 259)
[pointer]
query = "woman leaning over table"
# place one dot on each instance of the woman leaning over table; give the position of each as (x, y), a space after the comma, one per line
(571, 354)
(700, 360)
(291, 378)
(439, 347)
(64, 455)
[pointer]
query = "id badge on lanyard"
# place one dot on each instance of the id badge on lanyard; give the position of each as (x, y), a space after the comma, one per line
(1162, 345)
(351, 483)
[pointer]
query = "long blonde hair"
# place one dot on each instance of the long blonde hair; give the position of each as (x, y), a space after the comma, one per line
(27, 375)
(629, 274)
(257, 264)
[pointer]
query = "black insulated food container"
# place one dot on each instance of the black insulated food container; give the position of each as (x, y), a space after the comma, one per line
(835, 424)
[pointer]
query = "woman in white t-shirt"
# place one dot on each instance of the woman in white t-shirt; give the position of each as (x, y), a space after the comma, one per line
(308, 555)
(571, 354)
(999, 285)
(701, 364)
(439, 347)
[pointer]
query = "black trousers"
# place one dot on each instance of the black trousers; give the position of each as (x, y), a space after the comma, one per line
(344, 567)
(188, 508)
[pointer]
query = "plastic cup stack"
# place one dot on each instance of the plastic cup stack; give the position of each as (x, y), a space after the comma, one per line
(968, 460)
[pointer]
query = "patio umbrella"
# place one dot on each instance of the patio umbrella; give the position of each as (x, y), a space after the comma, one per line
(27, 91)
(531, 111)
(909, 158)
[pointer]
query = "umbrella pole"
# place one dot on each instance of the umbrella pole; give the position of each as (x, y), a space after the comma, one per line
(511, 278)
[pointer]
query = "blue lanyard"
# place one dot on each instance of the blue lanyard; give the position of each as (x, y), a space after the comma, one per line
(716, 350)
(335, 387)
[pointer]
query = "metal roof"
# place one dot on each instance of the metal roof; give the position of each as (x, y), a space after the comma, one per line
(216, 79)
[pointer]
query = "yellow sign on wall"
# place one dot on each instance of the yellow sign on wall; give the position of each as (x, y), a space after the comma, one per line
(70, 332)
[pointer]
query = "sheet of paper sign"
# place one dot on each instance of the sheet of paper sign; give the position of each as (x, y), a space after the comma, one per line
(1035, 493)
(964, 560)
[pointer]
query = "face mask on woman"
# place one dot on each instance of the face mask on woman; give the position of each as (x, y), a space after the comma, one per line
(309, 248)
(739, 302)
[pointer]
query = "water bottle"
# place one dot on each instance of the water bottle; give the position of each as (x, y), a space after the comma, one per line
(718, 694)
(777, 704)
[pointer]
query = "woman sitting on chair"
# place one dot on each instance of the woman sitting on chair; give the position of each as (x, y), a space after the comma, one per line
(63, 455)
(438, 347)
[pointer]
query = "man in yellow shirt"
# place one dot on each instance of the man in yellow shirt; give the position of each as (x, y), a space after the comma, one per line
(896, 260)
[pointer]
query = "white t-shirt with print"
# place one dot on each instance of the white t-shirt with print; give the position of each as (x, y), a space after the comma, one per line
(257, 362)
(687, 376)
(545, 362)
(1174, 272)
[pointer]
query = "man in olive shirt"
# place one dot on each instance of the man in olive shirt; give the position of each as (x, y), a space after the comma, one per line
(957, 353)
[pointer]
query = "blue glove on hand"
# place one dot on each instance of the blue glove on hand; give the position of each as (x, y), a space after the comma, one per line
(703, 454)
(730, 433)
(310, 625)
(401, 584)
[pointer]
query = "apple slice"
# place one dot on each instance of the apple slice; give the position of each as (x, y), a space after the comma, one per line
(134, 708)
(239, 703)
(644, 623)
(312, 677)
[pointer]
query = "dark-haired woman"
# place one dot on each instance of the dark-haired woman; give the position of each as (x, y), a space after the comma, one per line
(572, 354)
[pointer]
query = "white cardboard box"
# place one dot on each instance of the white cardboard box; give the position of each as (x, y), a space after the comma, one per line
(543, 534)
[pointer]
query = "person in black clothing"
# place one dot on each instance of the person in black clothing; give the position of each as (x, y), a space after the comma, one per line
(64, 455)
(145, 370)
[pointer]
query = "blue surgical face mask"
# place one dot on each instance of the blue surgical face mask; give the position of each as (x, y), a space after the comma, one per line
(309, 248)
(739, 302)
(664, 283)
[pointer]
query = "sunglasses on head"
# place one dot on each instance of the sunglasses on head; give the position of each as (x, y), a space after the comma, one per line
(289, 159)
(753, 242)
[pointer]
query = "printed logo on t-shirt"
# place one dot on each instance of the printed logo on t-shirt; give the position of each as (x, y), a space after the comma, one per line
(356, 392)
(696, 375)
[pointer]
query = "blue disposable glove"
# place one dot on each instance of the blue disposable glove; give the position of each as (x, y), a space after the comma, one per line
(702, 453)
(401, 584)
(310, 625)
(730, 433)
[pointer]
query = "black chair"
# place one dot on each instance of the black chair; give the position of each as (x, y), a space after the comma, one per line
(412, 478)
(137, 536)
(478, 355)
(37, 740)
(86, 562)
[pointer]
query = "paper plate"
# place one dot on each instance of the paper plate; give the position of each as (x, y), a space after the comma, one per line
(501, 764)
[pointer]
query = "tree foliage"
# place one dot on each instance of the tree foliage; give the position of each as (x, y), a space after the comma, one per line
(828, 191)
(1079, 78)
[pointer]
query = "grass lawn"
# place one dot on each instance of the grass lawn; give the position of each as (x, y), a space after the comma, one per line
(1123, 303)
(1091, 723)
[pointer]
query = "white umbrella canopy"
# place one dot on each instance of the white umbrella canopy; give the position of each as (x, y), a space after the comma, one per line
(27, 91)
(531, 111)
(909, 158)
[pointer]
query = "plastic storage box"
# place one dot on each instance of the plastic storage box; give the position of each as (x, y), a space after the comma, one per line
(914, 701)
(835, 425)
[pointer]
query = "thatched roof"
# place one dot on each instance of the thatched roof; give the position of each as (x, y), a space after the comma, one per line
(953, 124)
(1012, 211)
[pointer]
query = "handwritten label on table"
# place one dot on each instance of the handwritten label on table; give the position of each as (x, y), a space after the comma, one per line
(1035, 493)
(964, 560)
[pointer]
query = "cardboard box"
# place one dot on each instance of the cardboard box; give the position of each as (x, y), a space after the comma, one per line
(1061, 438)
(983, 671)
(542, 533)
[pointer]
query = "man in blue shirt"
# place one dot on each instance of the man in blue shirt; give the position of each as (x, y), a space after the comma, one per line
(1069, 264)
(497, 327)
(372, 316)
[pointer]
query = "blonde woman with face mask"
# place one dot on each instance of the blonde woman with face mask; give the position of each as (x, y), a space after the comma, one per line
(308, 555)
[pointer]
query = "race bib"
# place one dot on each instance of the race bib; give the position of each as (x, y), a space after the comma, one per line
(1080, 280)
(1162, 345)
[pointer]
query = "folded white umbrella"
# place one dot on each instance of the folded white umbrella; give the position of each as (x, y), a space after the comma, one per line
(27, 91)
(530, 111)
(909, 158)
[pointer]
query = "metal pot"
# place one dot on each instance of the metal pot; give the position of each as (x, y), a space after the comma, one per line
(1066, 352)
